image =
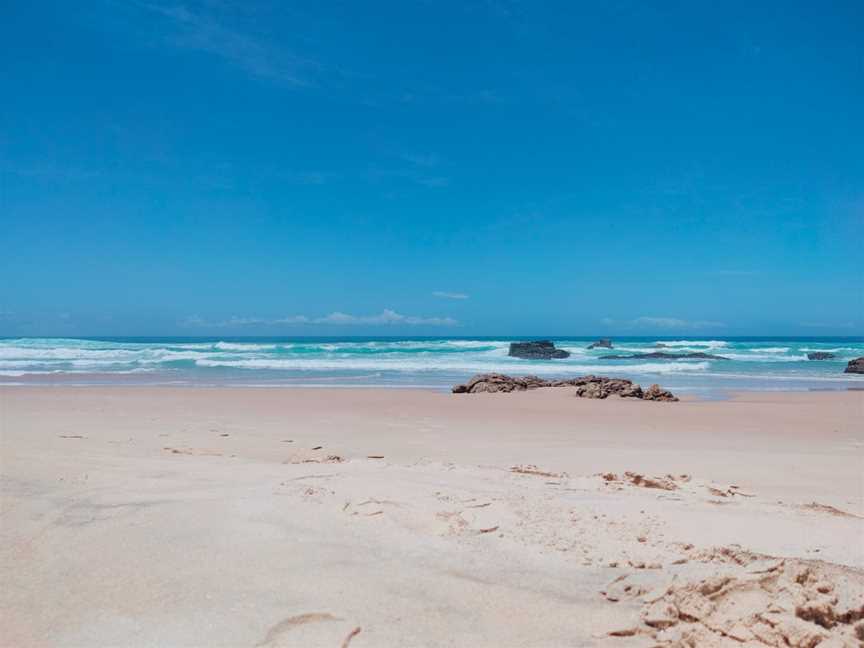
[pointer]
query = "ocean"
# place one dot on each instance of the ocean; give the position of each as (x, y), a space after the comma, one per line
(758, 363)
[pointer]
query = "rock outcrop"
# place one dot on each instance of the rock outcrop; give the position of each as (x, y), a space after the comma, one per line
(537, 350)
(602, 343)
(855, 366)
(663, 355)
(586, 386)
(820, 355)
(656, 393)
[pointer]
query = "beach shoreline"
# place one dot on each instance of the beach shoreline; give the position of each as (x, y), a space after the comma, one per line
(234, 516)
(705, 367)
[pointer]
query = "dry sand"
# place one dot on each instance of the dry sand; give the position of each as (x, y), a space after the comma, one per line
(242, 517)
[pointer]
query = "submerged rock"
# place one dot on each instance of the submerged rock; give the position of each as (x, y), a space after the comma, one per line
(537, 350)
(663, 355)
(586, 386)
(820, 355)
(602, 343)
(855, 366)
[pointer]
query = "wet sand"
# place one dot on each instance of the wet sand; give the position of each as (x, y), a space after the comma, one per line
(306, 517)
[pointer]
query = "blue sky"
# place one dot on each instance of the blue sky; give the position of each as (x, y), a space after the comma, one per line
(432, 168)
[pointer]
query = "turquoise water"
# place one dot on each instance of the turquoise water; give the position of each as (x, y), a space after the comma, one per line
(752, 364)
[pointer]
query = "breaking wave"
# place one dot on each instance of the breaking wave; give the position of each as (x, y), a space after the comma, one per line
(417, 360)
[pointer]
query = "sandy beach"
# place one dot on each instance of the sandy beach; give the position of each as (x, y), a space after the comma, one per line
(325, 517)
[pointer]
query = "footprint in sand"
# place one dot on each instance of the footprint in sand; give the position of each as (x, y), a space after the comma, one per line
(310, 629)
(752, 600)
(828, 509)
(476, 519)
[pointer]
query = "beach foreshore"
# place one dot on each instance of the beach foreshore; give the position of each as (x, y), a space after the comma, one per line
(138, 516)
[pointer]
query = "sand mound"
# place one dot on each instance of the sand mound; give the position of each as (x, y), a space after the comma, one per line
(753, 601)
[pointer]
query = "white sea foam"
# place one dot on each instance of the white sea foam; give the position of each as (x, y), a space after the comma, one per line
(18, 374)
(518, 367)
(573, 350)
(801, 377)
(16, 364)
(834, 350)
(40, 372)
(755, 356)
(63, 353)
(232, 346)
(172, 356)
(651, 348)
(709, 344)
(67, 354)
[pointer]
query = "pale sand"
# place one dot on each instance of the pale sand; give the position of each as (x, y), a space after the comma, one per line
(203, 517)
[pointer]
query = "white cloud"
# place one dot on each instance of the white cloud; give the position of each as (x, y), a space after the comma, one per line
(667, 323)
(443, 294)
(206, 32)
(386, 317)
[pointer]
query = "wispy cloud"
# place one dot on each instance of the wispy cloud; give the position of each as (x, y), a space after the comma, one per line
(433, 95)
(422, 159)
(666, 323)
(386, 317)
(46, 170)
(309, 177)
(434, 182)
(205, 31)
(196, 321)
(419, 170)
(449, 295)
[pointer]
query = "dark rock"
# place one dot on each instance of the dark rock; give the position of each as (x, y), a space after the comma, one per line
(538, 350)
(586, 386)
(631, 391)
(663, 355)
(657, 393)
(490, 383)
(592, 390)
(855, 366)
(602, 343)
(820, 355)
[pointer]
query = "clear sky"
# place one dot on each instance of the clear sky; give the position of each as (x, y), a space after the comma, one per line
(415, 167)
